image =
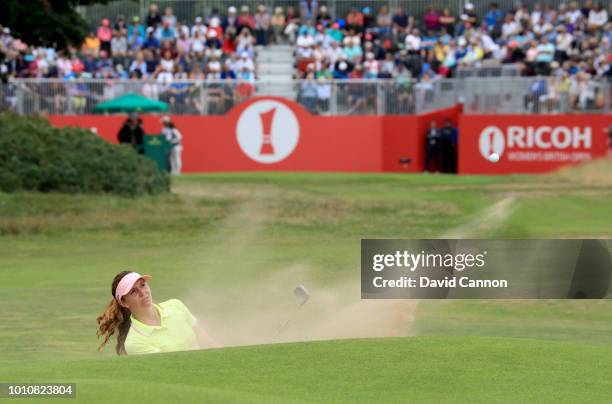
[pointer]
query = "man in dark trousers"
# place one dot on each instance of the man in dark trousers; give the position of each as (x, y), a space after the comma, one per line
(131, 132)
(432, 147)
(449, 147)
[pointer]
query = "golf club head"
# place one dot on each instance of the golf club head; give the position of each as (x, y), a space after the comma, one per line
(301, 292)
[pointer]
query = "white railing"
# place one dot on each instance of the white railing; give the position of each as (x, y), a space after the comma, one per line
(509, 95)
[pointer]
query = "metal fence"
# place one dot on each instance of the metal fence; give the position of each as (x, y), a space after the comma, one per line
(493, 70)
(518, 95)
(187, 10)
(345, 97)
(524, 95)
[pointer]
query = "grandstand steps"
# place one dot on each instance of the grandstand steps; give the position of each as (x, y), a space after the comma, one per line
(276, 88)
(275, 71)
(280, 58)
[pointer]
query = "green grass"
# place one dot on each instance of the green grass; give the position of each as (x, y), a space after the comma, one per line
(419, 369)
(232, 246)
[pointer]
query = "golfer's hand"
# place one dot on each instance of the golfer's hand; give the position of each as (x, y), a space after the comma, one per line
(205, 340)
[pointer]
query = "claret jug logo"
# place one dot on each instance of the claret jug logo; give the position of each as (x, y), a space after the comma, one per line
(268, 131)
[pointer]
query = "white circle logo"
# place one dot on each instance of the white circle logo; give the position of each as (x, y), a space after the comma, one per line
(267, 131)
(491, 143)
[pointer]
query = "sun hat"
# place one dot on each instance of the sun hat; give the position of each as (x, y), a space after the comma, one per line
(127, 283)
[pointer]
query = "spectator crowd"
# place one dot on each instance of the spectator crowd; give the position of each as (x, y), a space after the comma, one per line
(161, 51)
(570, 45)
(161, 47)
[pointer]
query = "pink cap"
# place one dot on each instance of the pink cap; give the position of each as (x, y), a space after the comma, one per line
(127, 283)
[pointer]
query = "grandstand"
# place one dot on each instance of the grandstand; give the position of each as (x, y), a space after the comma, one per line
(333, 57)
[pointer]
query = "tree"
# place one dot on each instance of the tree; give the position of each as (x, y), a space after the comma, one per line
(46, 22)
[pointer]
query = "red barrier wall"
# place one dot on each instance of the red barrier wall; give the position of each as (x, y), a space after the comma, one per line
(301, 141)
(506, 144)
(405, 138)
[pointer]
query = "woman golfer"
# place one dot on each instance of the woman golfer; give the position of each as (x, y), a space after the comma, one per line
(145, 327)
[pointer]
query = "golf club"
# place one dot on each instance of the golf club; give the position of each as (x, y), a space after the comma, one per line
(302, 293)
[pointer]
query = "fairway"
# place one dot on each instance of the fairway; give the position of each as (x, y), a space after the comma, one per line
(233, 247)
(423, 369)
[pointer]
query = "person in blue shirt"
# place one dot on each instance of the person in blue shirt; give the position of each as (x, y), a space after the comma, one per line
(400, 17)
(532, 99)
(445, 37)
(307, 28)
(136, 29)
(460, 52)
(136, 43)
(151, 42)
(104, 65)
(493, 17)
(342, 68)
(150, 62)
(227, 72)
(166, 32)
(90, 64)
(429, 40)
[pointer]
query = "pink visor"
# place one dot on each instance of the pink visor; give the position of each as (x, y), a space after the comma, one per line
(127, 283)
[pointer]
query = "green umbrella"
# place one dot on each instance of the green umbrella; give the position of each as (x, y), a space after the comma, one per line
(130, 102)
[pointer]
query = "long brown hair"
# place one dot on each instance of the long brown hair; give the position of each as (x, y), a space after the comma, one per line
(115, 317)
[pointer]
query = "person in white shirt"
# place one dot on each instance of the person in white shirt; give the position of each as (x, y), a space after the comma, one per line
(232, 62)
(64, 65)
(304, 43)
(564, 43)
(509, 27)
(245, 62)
(182, 28)
(522, 14)
(244, 39)
(199, 27)
(198, 43)
(165, 68)
(413, 41)
(536, 14)
(334, 53)
(598, 17)
(150, 89)
(169, 17)
(574, 12)
(138, 64)
(305, 40)
(214, 67)
(174, 138)
(371, 64)
(488, 44)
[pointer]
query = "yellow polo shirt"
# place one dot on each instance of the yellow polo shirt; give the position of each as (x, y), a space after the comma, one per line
(174, 334)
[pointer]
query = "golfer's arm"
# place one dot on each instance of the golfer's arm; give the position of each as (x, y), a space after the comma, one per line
(205, 340)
